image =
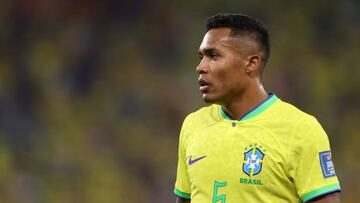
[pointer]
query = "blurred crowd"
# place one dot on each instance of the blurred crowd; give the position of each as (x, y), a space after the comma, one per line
(93, 93)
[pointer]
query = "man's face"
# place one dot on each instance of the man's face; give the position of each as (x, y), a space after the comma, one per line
(222, 74)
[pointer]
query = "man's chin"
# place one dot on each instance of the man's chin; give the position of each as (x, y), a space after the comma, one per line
(208, 98)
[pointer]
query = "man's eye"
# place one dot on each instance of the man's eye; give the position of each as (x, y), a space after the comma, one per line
(201, 57)
(213, 56)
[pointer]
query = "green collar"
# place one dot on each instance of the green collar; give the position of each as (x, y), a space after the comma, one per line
(255, 111)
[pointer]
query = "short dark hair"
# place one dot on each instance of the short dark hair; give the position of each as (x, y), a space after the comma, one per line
(243, 25)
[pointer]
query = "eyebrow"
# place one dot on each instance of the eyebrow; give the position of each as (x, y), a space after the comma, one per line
(207, 51)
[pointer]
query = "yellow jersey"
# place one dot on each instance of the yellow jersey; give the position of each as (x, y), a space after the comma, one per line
(275, 153)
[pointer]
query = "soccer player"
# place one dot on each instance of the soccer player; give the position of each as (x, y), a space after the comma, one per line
(248, 146)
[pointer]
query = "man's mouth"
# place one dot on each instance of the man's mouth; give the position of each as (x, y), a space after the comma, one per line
(204, 85)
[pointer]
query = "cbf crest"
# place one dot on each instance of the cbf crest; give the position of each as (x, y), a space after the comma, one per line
(253, 160)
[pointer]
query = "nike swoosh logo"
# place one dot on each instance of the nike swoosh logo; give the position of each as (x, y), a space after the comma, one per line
(192, 161)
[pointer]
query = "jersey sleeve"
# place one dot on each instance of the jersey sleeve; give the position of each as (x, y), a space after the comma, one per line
(309, 162)
(182, 184)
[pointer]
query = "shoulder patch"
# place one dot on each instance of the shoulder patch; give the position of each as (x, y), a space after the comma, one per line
(327, 165)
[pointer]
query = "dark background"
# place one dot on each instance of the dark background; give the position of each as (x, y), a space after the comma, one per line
(93, 93)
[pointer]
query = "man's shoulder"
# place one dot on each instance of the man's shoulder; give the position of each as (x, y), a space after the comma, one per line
(203, 117)
(290, 111)
(293, 114)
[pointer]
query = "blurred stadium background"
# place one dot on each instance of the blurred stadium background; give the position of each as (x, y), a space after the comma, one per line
(93, 93)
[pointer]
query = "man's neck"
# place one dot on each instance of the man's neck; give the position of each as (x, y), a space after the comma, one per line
(249, 100)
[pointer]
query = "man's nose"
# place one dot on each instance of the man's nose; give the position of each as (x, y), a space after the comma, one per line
(202, 67)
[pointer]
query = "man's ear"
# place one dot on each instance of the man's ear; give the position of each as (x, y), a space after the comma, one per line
(253, 63)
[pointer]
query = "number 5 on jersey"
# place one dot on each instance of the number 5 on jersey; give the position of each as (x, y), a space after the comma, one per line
(216, 198)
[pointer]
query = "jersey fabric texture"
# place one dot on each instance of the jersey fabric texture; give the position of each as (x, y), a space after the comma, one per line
(275, 153)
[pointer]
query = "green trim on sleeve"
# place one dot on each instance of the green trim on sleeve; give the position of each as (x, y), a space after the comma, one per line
(321, 191)
(182, 194)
